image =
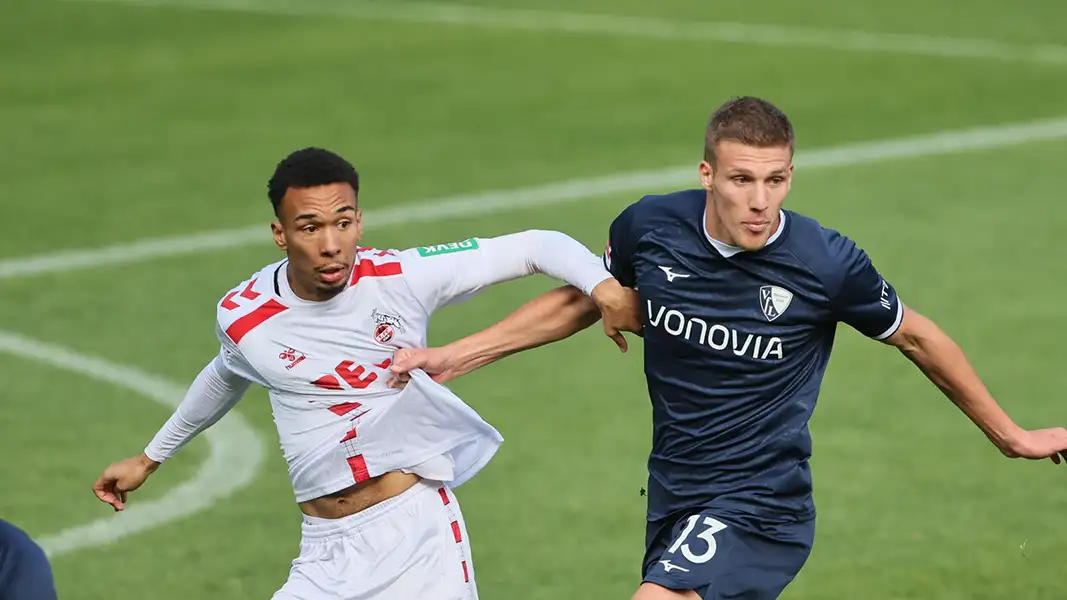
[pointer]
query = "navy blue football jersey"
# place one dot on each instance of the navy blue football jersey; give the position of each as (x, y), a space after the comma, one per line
(25, 573)
(735, 347)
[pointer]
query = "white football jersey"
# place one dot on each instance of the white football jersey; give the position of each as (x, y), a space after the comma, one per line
(325, 364)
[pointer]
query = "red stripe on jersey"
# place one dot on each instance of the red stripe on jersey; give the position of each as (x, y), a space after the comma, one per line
(366, 268)
(254, 319)
(351, 435)
(228, 302)
(376, 251)
(455, 532)
(466, 576)
(343, 409)
(444, 495)
(328, 382)
(248, 294)
(359, 468)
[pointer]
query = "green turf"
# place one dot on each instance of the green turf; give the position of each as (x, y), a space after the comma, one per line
(124, 122)
(58, 430)
(1043, 21)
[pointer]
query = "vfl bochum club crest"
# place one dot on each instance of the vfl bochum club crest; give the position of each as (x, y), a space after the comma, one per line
(774, 300)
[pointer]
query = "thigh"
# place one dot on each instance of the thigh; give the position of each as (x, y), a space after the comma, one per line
(417, 549)
(304, 584)
(719, 558)
(456, 537)
(435, 560)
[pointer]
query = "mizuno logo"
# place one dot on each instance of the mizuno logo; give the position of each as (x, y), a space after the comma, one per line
(668, 565)
(671, 275)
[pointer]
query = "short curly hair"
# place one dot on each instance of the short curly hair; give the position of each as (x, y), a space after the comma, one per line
(751, 121)
(309, 167)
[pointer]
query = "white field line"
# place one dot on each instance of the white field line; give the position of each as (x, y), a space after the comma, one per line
(637, 27)
(235, 452)
(556, 193)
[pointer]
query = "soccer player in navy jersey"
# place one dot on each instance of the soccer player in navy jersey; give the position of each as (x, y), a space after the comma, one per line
(738, 301)
(25, 573)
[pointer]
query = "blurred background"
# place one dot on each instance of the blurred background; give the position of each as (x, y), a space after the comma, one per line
(138, 137)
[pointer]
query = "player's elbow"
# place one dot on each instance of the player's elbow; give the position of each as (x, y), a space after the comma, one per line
(548, 239)
(537, 245)
(574, 310)
(579, 303)
(917, 334)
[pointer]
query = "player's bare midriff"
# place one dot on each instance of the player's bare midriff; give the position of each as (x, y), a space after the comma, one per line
(360, 496)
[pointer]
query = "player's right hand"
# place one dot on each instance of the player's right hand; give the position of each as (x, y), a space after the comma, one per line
(120, 478)
(436, 362)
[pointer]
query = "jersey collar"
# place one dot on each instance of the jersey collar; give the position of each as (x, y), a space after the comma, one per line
(726, 250)
(282, 287)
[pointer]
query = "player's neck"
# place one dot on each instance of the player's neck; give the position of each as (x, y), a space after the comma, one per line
(307, 294)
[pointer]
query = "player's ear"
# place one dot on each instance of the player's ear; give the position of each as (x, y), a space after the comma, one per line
(279, 236)
(359, 223)
(707, 174)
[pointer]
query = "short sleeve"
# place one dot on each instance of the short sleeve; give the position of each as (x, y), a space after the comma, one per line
(618, 252)
(864, 299)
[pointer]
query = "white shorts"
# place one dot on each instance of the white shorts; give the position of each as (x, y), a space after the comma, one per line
(411, 547)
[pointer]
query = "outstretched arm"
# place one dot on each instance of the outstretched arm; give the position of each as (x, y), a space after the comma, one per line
(944, 363)
(867, 302)
(212, 394)
(550, 317)
(215, 391)
(451, 273)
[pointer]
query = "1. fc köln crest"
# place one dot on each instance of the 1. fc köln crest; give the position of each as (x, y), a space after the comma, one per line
(386, 326)
(774, 300)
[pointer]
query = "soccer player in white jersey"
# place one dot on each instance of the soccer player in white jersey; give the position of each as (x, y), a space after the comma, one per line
(372, 467)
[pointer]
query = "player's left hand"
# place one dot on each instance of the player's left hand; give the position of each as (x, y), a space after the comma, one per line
(1039, 444)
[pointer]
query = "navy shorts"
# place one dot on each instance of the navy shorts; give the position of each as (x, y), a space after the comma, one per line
(720, 556)
(24, 570)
